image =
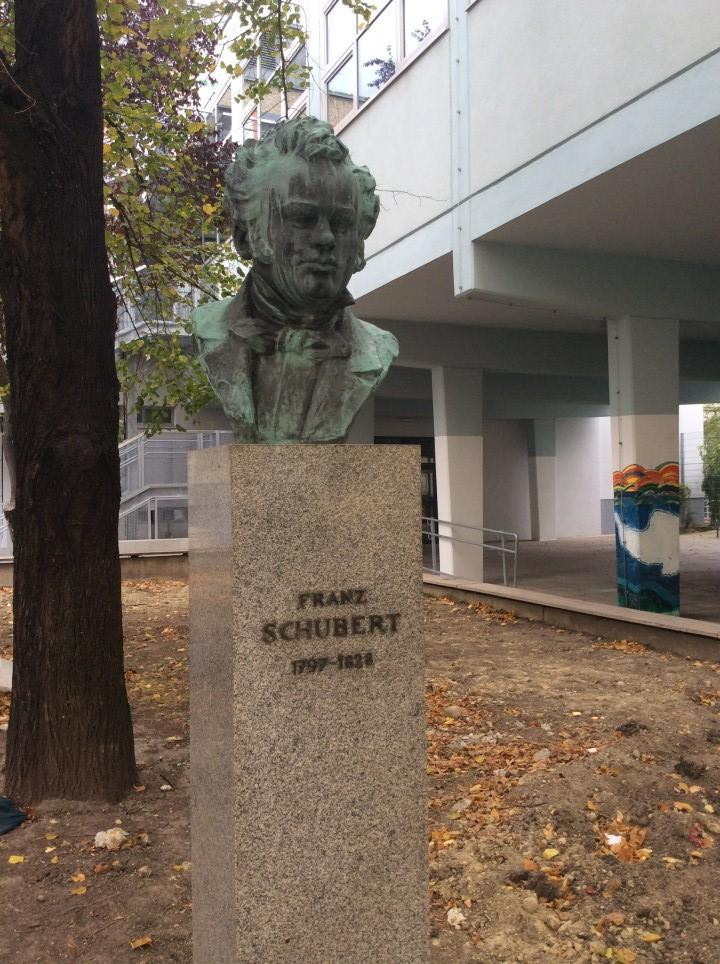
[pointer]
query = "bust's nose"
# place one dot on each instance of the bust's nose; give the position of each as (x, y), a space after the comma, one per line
(322, 235)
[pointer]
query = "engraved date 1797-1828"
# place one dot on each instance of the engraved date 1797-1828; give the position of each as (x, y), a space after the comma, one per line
(317, 664)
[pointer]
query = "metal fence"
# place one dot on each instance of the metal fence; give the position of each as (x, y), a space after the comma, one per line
(148, 465)
(691, 474)
(504, 543)
(162, 459)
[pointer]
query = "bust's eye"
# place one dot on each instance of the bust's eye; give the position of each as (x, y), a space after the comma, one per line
(342, 222)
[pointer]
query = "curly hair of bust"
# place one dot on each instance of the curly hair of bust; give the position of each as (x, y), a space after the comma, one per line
(247, 203)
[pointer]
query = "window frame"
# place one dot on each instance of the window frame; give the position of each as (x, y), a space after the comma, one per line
(302, 101)
(350, 53)
(170, 424)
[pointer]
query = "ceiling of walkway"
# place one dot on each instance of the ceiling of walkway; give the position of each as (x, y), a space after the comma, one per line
(427, 295)
(662, 204)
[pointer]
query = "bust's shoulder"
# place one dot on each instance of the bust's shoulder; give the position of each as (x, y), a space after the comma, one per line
(371, 341)
(210, 321)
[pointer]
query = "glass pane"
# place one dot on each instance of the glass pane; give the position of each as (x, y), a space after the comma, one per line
(341, 30)
(172, 519)
(298, 62)
(250, 127)
(340, 92)
(422, 17)
(224, 122)
(377, 54)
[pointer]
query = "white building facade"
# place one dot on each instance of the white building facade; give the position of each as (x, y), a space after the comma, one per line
(547, 252)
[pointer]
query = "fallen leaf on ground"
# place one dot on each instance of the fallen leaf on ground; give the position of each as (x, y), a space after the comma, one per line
(138, 942)
(16, 859)
(625, 841)
(623, 955)
(78, 891)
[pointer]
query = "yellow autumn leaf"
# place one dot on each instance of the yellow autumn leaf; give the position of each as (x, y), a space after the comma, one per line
(195, 126)
(623, 955)
(650, 937)
(208, 209)
(683, 807)
(138, 942)
(49, 850)
(549, 853)
(78, 891)
(54, 860)
(16, 859)
(51, 836)
(78, 878)
(183, 868)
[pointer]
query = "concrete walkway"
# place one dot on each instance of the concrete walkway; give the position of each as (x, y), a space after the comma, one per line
(585, 569)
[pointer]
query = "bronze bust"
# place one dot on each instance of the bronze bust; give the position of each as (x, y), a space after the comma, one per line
(286, 357)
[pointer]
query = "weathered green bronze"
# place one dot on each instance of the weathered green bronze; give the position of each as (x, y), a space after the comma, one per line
(286, 356)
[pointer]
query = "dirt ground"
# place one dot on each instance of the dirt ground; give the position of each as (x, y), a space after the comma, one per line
(574, 785)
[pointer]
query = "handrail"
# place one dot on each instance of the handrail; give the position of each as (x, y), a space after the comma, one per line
(431, 529)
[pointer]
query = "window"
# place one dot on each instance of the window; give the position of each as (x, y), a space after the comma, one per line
(340, 90)
(268, 60)
(377, 53)
(371, 58)
(221, 117)
(156, 415)
(422, 18)
(341, 27)
(271, 109)
(251, 129)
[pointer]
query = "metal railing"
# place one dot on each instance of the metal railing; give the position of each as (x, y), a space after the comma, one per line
(506, 543)
(151, 465)
(161, 459)
(157, 517)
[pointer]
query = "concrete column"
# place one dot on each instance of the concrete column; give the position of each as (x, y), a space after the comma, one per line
(362, 430)
(541, 465)
(644, 395)
(457, 414)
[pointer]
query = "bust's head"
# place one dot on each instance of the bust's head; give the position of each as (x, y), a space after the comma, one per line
(301, 211)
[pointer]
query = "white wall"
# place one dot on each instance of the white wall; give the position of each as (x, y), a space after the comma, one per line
(583, 475)
(691, 418)
(541, 71)
(403, 137)
(506, 477)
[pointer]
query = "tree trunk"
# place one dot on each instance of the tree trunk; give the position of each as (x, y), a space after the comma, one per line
(70, 733)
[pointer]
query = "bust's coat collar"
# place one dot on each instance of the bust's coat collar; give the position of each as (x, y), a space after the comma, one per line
(223, 329)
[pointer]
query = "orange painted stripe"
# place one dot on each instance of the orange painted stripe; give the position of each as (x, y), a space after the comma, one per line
(634, 477)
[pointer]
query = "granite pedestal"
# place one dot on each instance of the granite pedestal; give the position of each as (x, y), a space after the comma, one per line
(307, 706)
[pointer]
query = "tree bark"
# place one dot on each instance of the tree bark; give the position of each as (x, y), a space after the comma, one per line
(70, 732)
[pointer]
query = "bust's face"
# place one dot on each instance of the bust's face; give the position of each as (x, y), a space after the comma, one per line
(313, 232)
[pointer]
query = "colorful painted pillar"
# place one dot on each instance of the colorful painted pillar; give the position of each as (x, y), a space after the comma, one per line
(644, 397)
(457, 414)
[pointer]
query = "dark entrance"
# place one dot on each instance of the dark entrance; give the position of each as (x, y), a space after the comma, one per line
(427, 460)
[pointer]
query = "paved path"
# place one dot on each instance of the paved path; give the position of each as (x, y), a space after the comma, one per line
(585, 569)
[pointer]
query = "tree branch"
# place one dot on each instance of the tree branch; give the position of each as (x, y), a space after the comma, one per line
(10, 88)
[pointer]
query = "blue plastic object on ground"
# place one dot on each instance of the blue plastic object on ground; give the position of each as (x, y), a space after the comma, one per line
(10, 816)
